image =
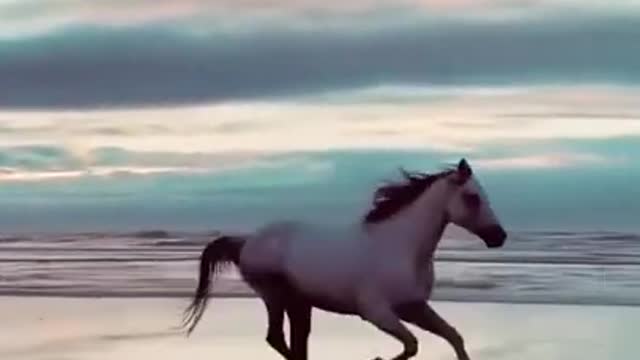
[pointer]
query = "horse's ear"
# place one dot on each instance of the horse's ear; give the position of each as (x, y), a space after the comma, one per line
(463, 172)
(404, 173)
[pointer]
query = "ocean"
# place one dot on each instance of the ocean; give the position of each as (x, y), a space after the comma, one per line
(551, 267)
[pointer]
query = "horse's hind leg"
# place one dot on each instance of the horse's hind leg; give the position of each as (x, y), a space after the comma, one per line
(275, 333)
(423, 316)
(273, 293)
(300, 327)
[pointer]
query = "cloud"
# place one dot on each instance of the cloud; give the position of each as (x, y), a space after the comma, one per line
(503, 129)
(163, 64)
(18, 175)
(51, 162)
(393, 118)
(35, 157)
(44, 15)
(544, 161)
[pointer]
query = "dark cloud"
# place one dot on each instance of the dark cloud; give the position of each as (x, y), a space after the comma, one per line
(93, 67)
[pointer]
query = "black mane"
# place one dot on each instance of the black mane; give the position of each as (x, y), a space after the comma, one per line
(392, 197)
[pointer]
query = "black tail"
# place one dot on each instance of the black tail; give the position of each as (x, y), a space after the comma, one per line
(219, 253)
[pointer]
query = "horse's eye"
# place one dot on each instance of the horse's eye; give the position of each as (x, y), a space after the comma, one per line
(472, 200)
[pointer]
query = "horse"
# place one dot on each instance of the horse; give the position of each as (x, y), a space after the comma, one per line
(379, 268)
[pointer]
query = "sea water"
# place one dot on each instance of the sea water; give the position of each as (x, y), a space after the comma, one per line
(533, 267)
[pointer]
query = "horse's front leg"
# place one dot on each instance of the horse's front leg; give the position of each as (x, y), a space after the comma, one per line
(422, 315)
(384, 318)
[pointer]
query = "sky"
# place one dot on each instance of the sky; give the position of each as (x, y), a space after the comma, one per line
(226, 114)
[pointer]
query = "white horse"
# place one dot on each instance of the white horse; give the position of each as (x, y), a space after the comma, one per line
(380, 268)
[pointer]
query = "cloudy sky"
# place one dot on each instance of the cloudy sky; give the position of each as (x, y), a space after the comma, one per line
(228, 113)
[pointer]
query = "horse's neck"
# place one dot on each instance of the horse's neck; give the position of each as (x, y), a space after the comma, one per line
(420, 227)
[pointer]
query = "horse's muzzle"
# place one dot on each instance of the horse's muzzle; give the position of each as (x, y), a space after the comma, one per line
(494, 235)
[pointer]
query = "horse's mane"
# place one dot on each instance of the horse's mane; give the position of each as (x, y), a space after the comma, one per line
(392, 197)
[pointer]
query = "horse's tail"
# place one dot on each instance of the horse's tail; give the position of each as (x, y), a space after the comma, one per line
(216, 255)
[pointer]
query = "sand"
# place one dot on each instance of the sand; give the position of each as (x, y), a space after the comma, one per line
(128, 328)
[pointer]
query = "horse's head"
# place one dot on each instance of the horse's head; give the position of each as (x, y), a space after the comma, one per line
(469, 207)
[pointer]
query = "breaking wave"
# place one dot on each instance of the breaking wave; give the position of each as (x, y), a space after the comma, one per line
(549, 267)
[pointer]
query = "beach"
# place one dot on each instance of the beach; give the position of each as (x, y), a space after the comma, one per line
(107, 296)
(47, 328)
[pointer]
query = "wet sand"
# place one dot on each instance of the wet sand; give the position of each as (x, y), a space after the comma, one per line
(115, 329)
